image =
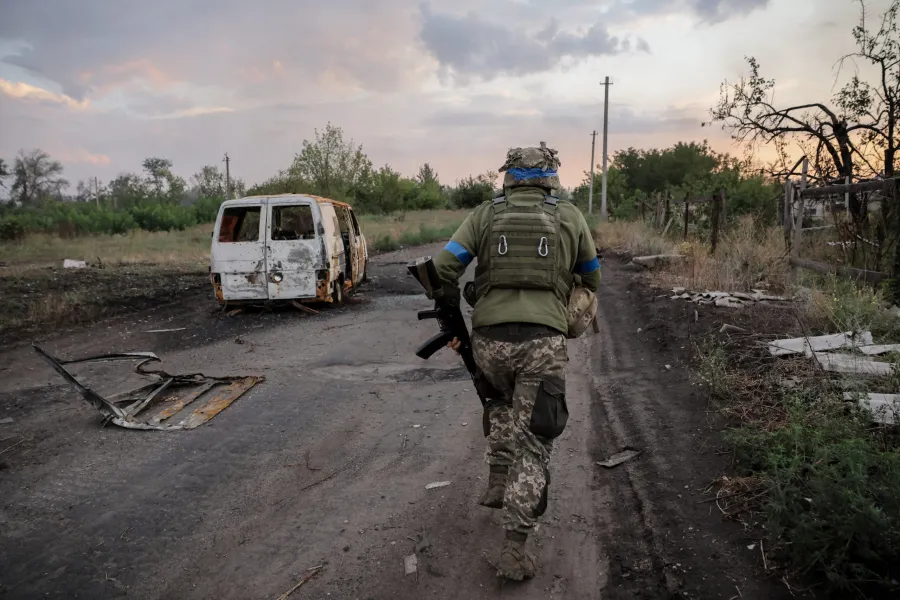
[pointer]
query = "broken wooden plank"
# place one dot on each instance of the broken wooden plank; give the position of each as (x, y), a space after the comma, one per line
(655, 260)
(846, 272)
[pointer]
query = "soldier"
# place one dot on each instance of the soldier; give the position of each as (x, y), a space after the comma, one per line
(534, 284)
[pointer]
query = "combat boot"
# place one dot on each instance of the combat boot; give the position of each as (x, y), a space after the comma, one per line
(516, 563)
(493, 495)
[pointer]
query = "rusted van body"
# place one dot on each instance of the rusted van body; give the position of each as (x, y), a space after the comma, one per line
(286, 247)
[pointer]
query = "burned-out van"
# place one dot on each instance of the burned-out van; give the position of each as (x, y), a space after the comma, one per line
(286, 247)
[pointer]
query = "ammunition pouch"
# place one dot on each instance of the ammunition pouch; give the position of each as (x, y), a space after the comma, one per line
(550, 413)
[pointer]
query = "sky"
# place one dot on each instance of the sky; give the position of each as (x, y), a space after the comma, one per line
(102, 85)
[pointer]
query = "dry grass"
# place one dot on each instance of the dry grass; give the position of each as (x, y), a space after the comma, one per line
(178, 248)
(747, 257)
(633, 237)
(394, 226)
(188, 247)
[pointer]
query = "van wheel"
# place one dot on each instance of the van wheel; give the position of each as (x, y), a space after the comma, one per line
(337, 294)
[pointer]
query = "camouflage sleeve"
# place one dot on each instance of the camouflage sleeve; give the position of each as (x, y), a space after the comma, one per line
(587, 264)
(452, 261)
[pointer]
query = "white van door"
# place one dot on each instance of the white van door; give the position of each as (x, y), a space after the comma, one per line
(238, 253)
(295, 248)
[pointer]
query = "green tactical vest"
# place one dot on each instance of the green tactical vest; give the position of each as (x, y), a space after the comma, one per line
(523, 250)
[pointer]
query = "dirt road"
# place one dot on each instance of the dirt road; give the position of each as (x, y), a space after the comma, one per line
(326, 463)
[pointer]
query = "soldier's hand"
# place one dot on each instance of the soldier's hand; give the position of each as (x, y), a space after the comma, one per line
(455, 345)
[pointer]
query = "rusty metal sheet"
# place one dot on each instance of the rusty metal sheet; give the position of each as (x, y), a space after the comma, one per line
(219, 402)
(152, 405)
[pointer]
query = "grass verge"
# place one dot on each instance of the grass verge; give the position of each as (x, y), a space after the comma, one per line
(817, 483)
(747, 256)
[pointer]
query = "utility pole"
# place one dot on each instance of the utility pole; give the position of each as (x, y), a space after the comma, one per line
(606, 85)
(227, 177)
(591, 192)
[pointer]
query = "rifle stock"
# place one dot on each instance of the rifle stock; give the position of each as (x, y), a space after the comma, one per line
(451, 322)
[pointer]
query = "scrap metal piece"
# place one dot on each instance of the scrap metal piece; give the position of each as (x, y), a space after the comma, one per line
(144, 412)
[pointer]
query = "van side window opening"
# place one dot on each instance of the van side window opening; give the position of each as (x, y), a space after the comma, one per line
(344, 220)
(240, 224)
(355, 222)
(293, 222)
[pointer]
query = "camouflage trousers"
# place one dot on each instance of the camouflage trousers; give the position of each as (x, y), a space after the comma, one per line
(520, 425)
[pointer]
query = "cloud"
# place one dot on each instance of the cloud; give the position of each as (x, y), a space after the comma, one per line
(81, 156)
(29, 92)
(468, 45)
(709, 11)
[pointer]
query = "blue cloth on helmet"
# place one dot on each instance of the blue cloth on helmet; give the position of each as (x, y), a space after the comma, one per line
(520, 174)
(459, 251)
(588, 266)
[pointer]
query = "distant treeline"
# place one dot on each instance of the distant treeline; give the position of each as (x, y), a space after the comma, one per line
(158, 200)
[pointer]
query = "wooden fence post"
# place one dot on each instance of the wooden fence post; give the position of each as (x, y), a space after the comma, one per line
(687, 214)
(716, 207)
(668, 215)
(788, 216)
(724, 207)
(798, 224)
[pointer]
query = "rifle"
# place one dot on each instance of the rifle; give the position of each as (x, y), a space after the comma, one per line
(452, 324)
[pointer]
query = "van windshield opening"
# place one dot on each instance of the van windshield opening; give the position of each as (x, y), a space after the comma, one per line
(294, 222)
(239, 224)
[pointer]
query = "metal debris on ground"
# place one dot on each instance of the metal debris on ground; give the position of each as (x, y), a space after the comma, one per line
(303, 308)
(166, 330)
(410, 564)
(727, 328)
(885, 408)
(168, 402)
(6, 421)
(437, 484)
(727, 299)
(617, 459)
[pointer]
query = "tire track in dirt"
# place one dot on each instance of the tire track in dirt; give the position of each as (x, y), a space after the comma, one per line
(662, 540)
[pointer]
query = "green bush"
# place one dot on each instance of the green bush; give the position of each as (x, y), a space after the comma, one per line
(386, 243)
(11, 229)
(834, 495)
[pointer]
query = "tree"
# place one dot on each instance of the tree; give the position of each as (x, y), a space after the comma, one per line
(4, 172)
(210, 181)
(128, 190)
(427, 175)
(36, 176)
(159, 170)
(333, 167)
(842, 140)
(472, 191)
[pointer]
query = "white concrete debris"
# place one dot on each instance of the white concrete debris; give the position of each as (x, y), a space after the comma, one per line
(410, 564)
(877, 349)
(885, 407)
(727, 299)
(819, 343)
(74, 264)
(848, 363)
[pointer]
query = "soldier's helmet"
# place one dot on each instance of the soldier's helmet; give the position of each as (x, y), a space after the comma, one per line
(534, 166)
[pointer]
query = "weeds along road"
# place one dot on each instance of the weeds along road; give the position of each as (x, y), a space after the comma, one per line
(326, 463)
